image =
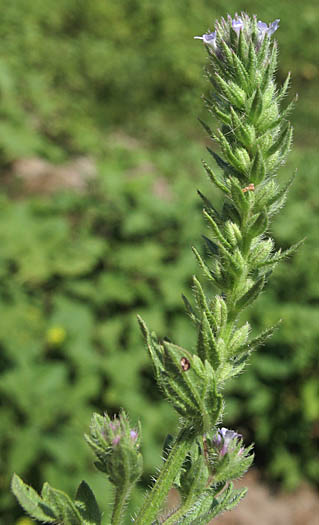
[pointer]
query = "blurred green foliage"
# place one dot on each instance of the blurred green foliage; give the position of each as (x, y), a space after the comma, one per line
(75, 269)
(70, 72)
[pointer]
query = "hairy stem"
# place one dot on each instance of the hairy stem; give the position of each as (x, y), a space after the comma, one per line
(164, 482)
(121, 496)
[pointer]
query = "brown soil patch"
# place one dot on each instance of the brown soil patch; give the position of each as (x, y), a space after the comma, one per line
(261, 507)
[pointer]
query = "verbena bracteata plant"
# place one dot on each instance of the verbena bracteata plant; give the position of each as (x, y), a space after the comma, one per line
(204, 458)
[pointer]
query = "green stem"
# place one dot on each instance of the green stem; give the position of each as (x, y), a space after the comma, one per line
(180, 512)
(164, 482)
(121, 495)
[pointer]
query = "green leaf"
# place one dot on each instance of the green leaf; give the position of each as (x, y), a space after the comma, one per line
(190, 310)
(284, 89)
(209, 207)
(191, 389)
(258, 224)
(62, 504)
(228, 499)
(32, 502)
(211, 246)
(214, 178)
(219, 114)
(222, 164)
(227, 53)
(239, 339)
(258, 168)
(201, 301)
(167, 446)
(234, 160)
(281, 140)
(232, 92)
(279, 256)
(207, 128)
(263, 52)
(87, 506)
(154, 349)
(240, 199)
(257, 106)
(206, 345)
(244, 132)
(283, 192)
(217, 233)
(208, 274)
(242, 48)
(252, 62)
(241, 72)
(252, 294)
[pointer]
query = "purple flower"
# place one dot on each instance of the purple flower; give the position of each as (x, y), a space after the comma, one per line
(133, 435)
(263, 29)
(224, 438)
(208, 38)
(116, 440)
(237, 24)
(273, 27)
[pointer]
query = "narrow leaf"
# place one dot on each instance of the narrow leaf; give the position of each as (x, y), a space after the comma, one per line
(218, 234)
(251, 294)
(214, 178)
(190, 310)
(209, 207)
(256, 106)
(278, 144)
(208, 274)
(276, 258)
(211, 246)
(283, 191)
(283, 91)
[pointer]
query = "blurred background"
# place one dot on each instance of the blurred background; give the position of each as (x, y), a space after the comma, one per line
(100, 158)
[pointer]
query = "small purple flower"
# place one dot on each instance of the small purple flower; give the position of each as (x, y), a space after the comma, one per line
(116, 440)
(273, 27)
(237, 24)
(208, 38)
(224, 438)
(263, 28)
(115, 425)
(133, 435)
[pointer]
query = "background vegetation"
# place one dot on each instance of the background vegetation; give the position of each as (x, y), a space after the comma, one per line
(119, 84)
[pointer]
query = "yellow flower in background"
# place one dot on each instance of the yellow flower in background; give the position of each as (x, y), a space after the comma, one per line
(56, 335)
(25, 521)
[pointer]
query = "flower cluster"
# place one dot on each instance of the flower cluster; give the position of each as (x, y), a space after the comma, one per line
(242, 23)
(116, 447)
(228, 458)
(114, 432)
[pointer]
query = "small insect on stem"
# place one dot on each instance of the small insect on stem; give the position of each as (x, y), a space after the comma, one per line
(185, 364)
(250, 187)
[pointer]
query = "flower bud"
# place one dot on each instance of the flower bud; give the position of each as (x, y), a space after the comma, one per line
(228, 458)
(224, 439)
(249, 27)
(116, 446)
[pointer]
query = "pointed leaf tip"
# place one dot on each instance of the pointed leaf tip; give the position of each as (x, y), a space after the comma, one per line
(31, 502)
(86, 504)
